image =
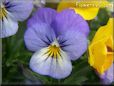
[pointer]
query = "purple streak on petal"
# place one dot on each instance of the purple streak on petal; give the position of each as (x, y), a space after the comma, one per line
(20, 9)
(38, 36)
(74, 43)
(45, 15)
(108, 76)
(67, 20)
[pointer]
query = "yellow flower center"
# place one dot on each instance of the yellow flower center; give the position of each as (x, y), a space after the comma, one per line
(109, 45)
(3, 12)
(109, 49)
(54, 50)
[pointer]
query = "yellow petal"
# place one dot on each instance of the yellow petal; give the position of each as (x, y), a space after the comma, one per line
(99, 53)
(88, 12)
(64, 5)
(101, 49)
(108, 62)
(104, 32)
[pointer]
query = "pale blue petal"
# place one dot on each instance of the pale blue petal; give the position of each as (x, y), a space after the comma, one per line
(20, 9)
(108, 76)
(45, 15)
(38, 36)
(68, 20)
(74, 43)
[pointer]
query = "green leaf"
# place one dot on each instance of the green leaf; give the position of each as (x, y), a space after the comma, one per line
(103, 16)
(94, 24)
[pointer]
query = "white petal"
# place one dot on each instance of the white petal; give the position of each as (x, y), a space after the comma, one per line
(37, 62)
(8, 27)
(61, 67)
(55, 67)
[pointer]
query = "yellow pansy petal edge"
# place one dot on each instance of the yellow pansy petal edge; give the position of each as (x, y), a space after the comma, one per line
(87, 12)
(101, 49)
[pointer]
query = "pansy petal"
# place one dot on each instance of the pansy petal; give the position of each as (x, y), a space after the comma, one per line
(108, 76)
(87, 9)
(38, 36)
(102, 58)
(37, 62)
(55, 67)
(65, 5)
(74, 43)
(8, 27)
(61, 67)
(98, 57)
(67, 20)
(45, 15)
(106, 31)
(87, 13)
(20, 9)
(90, 12)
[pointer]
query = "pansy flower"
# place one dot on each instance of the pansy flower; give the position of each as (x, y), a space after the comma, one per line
(56, 39)
(88, 9)
(12, 11)
(101, 51)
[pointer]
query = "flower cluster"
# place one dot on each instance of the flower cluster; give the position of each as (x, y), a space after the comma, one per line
(59, 37)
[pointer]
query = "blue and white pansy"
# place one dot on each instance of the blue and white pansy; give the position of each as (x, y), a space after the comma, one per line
(56, 39)
(12, 11)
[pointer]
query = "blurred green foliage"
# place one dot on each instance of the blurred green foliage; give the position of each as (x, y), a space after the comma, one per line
(15, 61)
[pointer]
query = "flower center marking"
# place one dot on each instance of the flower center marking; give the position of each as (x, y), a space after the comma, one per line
(3, 12)
(109, 49)
(54, 50)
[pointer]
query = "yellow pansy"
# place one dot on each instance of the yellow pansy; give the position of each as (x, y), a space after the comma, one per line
(88, 9)
(101, 49)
